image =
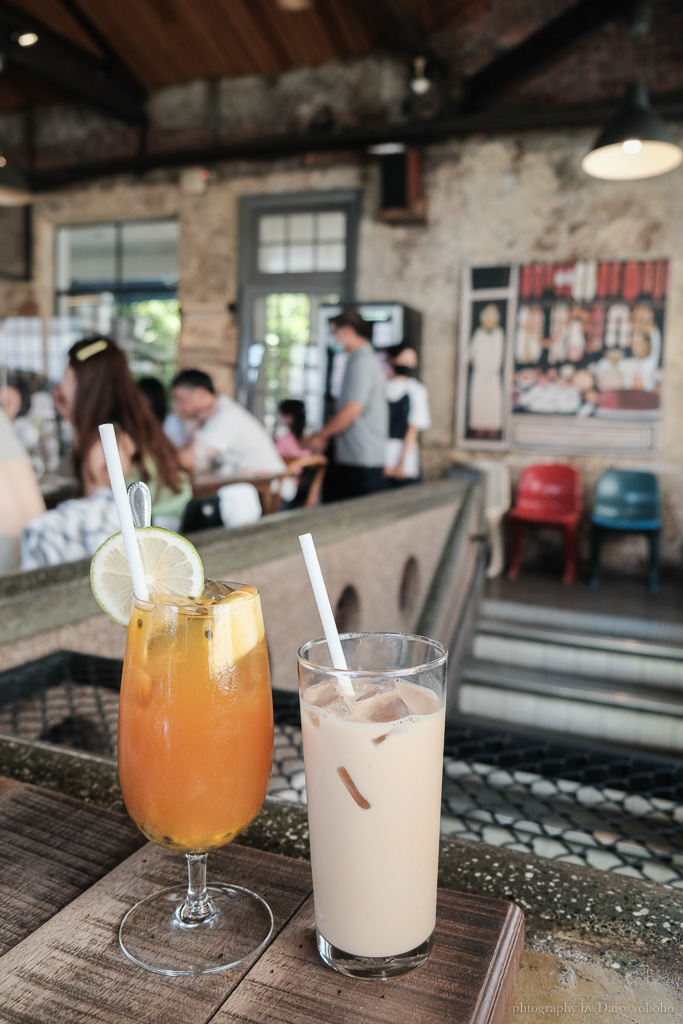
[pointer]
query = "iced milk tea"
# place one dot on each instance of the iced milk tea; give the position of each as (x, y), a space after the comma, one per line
(374, 767)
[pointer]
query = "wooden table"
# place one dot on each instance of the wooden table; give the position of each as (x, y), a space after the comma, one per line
(69, 871)
(208, 484)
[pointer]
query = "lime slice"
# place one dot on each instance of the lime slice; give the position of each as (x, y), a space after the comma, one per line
(172, 566)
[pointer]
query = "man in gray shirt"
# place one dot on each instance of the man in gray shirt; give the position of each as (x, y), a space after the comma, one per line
(360, 423)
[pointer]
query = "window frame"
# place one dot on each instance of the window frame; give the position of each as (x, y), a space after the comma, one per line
(120, 287)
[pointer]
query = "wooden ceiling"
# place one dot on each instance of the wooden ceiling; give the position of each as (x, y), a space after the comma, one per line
(142, 45)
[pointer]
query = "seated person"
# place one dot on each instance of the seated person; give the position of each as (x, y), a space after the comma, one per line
(98, 387)
(289, 434)
(73, 530)
(224, 436)
(155, 393)
(15, 399)
(20, 497)
(290, 442)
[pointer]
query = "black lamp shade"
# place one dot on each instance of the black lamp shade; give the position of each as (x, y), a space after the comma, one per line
(636, 144)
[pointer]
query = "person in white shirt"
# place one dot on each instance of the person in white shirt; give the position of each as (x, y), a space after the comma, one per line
(408, 415)
(224, 436)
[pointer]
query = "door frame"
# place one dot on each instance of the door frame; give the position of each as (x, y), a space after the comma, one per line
(253, 283)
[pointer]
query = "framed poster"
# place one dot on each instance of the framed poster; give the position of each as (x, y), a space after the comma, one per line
(483, 395)
(584, 355)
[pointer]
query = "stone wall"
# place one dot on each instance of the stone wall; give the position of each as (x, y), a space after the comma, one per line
(489, 200)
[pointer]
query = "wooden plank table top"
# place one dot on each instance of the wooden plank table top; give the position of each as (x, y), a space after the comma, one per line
(69, 872)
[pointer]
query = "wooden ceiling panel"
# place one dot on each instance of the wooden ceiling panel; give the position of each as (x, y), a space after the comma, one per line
(56, 17)
(170, 42)
(160, 43)
(167, 42)
(255, 32)
(422, 12)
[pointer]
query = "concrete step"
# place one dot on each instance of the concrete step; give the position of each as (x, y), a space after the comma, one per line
(602, 625)
(618, 660)
(583, 688)
(579, 714)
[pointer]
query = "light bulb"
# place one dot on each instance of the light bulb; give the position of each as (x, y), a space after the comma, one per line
(27, 39)
(420, 84)
(632, 146)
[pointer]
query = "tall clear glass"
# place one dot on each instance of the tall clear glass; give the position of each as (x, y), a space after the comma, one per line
(195, 751)
(374, 766)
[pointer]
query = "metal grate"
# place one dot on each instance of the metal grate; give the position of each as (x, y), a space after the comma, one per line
(72, 700)
(606, 808)
(65, 698)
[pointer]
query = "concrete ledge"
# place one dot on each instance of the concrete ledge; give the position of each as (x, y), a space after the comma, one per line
(45, 599)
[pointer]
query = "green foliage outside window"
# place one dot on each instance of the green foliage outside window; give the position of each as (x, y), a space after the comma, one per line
(157, 329)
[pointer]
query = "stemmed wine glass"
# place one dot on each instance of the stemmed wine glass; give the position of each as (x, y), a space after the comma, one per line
(195, 752)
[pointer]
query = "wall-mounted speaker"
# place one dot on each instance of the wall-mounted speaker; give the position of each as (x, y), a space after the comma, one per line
(402, 197)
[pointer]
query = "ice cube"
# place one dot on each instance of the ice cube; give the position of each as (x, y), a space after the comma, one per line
(325, 695)
(352, 788)
(382, 703)
(367, 688)
(322, 694)
(214, 591)
(388, 708)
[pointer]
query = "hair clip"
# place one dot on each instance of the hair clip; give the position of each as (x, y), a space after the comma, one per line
(90, 350)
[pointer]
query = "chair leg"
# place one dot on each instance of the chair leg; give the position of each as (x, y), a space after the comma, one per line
(596, 544)
(569, 554)
(496, 558)
(653, 575)
(516, 559)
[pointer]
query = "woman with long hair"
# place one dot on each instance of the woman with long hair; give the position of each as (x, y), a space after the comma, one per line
(98, 387)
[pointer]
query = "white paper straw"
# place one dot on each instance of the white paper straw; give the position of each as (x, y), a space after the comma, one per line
(325, 609)
(118, 486)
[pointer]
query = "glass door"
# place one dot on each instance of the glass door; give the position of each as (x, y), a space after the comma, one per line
(297, 252)
(285, 359)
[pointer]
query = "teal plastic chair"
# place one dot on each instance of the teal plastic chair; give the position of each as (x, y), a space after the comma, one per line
(627, 500)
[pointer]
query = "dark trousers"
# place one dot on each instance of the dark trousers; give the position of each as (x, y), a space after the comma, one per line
(343, 481)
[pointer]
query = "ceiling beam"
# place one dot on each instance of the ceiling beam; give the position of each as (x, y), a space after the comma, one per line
(112, 57)
(539, 50)
(56, 60)
(412, 133)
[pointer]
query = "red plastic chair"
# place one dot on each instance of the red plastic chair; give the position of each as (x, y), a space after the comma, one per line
(547, 495)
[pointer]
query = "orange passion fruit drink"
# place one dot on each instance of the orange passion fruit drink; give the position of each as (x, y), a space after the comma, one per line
(195, 742)
(195, 746)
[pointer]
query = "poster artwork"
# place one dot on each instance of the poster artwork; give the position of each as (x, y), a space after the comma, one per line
(485, 360)
(588, 339)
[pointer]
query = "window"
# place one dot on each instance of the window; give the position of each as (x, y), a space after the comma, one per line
(297, 252)
(302, 242)
(121, 279)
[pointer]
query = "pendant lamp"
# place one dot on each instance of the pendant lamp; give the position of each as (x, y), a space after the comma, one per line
(635, 144)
